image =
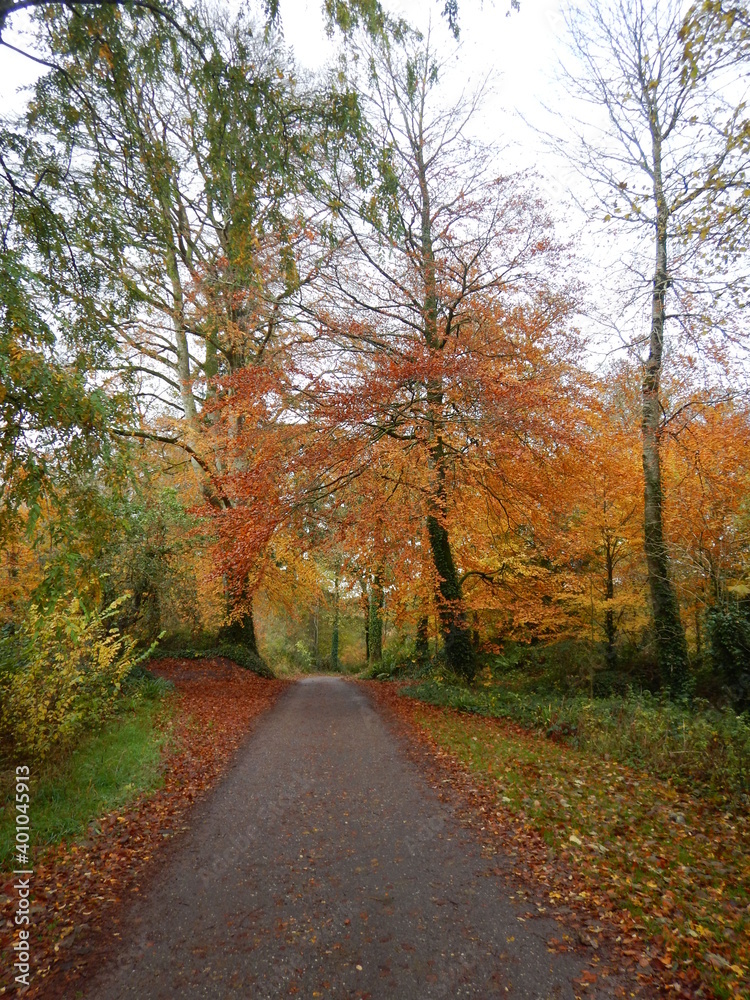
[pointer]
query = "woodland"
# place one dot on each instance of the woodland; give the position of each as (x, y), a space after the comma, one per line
(292, 368)
(298, 374)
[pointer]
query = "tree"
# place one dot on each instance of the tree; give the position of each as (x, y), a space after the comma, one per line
(708, 463)
(604, 522)
(58, 317)
(443, 312)
(189, 167)
(654, 166)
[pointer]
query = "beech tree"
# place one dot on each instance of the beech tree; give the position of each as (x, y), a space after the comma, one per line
(656, 158)
(180, 173)
(440, 293)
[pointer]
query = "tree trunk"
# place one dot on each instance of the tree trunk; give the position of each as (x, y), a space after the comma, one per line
(668, 631)
(609, 615)
(423, 639)
(698, 638)
(377, 602)
(459, 651)
(456, 633)
(335, 629)
(365, 607)
(316, 634)
(241, 630)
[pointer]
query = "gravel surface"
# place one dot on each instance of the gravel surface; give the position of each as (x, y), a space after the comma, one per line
(325, 866)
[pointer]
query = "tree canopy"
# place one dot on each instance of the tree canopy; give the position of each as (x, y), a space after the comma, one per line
(303, 349)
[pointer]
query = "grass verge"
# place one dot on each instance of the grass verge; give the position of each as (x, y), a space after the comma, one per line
(106, 770)
(668, 867)
(704, 750)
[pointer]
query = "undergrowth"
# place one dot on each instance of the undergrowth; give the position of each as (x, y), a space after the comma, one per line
(699, 748)
(107, 769)
(238, 654)
(657, 860)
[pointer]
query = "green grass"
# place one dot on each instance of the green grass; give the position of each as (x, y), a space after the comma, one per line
(106, 771)
(700, 750)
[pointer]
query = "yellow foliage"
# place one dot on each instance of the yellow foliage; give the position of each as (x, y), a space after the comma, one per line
(20, 573)
(72, 665)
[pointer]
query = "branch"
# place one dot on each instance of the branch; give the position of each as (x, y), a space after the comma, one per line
(700, 403)
(487, 577)
(8, 7)
(163, 439)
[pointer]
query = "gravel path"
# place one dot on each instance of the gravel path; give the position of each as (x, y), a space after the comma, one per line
(325, 866)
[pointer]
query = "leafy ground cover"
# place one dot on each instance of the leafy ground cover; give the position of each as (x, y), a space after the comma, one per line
(668, 872)
(705, 750)
(79, 883)
(240, 655)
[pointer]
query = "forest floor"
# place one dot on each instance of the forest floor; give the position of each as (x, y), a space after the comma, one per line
(662, 874)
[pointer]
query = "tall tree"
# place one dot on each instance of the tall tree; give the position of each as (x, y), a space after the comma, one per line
(440, 309)
(654, 158)
(188, 169)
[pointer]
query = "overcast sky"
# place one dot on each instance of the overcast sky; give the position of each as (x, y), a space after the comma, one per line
(519, 51)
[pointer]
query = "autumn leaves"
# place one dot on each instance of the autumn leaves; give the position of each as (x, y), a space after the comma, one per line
(353, 349)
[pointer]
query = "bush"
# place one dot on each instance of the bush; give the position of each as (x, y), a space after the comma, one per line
(728, 628)
(401, 664)
(61, 673)
(607, 683)
(106, 770)
(574, 667)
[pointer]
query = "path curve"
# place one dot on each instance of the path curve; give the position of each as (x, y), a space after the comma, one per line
(325, 866)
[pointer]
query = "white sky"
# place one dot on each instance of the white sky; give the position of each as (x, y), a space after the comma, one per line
(520, 51)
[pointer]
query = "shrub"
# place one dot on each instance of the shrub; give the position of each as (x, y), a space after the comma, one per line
(728, 627)
(63, 671)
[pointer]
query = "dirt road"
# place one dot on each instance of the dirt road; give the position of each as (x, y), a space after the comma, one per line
(325, 866)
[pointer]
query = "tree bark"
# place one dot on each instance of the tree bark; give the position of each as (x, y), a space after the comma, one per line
(423, 639)
(377, 601)
(241, 630)
(316, 634)
(456, 633)
(609, 615)
(668, 631)
(335, 628)
(365, 607)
